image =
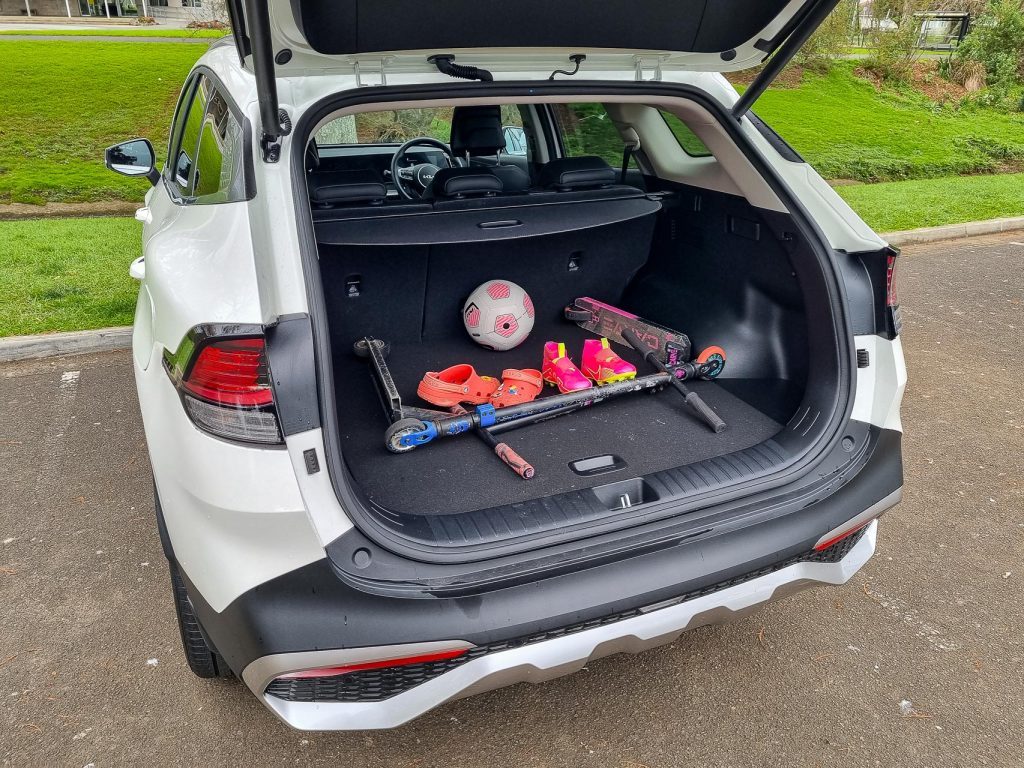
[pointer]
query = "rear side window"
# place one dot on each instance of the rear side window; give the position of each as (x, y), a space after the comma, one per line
(587, 129)
(687, 139)
(207, 160)
(219, 175)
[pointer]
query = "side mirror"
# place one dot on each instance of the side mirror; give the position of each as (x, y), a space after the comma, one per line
(515, 140)
(133, 158)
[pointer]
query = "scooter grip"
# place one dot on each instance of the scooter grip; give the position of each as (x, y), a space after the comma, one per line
(709, 416)
(514, 461)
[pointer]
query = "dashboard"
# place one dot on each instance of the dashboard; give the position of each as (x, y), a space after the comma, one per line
(375, 157)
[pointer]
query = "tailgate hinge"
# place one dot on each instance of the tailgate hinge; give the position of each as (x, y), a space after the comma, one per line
(376, 67)
(643, 64)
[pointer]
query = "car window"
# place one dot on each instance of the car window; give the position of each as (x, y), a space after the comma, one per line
(396, 126)
(393, 126)
(207, 161)
(182, 158)
(218, 175)
(587, 129)
(687, 139)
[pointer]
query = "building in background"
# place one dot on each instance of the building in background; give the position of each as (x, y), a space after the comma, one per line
(178, 10)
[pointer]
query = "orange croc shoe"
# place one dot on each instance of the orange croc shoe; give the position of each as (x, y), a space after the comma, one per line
(458, 384)
(517, 386)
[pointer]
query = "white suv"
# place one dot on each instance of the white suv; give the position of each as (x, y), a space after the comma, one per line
(347, 171)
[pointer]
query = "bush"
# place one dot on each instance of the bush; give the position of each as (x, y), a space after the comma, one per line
(829, 41)
(895, 50)
(145, 21)
(207, 25)
(995, 45)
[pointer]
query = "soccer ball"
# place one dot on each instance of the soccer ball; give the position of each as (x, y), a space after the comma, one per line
(498, 315)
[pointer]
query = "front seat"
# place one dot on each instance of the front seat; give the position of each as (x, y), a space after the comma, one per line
(476, 132)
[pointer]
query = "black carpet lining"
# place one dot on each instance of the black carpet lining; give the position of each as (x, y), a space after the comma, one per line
(649, 432)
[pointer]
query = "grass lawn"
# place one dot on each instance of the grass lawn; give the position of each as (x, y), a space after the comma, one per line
(900, 205)
(128, 32)
(65, 102)
(848, 130)
(67, 274)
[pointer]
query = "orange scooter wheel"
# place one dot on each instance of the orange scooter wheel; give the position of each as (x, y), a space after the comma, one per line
(716, 357)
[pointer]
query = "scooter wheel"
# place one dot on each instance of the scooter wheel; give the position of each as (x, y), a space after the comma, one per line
(398, 430)
(362, 349)
(715, 357)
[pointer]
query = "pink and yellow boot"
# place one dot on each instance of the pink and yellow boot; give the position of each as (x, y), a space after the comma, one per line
(602, 365)
(559, 371)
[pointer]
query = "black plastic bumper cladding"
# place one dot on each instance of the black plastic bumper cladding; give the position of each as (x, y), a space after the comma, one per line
(311, 608)
(829, 385)
(382, 684)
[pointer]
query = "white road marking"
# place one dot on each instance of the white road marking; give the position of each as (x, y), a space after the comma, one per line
(54, 444)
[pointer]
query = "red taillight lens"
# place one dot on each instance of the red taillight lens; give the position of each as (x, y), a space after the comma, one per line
(231, 372)
(401, 662)
(892, 298)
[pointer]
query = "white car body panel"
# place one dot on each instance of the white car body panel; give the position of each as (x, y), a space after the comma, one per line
(228, 537)
(880, 386)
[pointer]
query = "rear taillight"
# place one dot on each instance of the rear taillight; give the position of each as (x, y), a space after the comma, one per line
(231, 372)
(892, 298)
(225, 386)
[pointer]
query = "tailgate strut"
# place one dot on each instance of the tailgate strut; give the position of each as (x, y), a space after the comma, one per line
(796, 34)
(274, 122)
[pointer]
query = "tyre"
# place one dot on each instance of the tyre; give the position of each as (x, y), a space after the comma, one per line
(203, 660)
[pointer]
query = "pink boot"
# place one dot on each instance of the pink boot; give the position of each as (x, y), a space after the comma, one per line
(604, 366)
(559, 370)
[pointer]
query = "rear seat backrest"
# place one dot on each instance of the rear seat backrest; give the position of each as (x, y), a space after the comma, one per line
(572, 173)
(327, 188)
(553, 269)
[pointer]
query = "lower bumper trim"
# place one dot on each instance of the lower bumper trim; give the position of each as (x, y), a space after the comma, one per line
(544, 660)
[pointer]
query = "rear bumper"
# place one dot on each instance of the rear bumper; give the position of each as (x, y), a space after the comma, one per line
(539, 661)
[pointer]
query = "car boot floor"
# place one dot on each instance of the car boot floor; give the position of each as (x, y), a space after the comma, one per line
(649, 432)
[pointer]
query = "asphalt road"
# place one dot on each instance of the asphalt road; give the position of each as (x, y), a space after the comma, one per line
(91, 672)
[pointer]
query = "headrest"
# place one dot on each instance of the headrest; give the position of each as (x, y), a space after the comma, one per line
(577, 173)
(465, 182)
(355, 186)
(477, 130)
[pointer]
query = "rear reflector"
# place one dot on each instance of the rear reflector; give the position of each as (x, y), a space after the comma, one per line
(307, 674)
(845, 534)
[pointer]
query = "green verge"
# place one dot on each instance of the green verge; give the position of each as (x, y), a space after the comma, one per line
(65, 102)
(900, 205)
(67, 274)
(847, 129)
(132, 32)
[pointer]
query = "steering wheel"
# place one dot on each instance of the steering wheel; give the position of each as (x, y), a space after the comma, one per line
(412, 181)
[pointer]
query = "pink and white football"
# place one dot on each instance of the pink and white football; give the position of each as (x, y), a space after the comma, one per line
(498, 315)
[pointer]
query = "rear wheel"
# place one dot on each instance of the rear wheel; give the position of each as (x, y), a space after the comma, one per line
(203, 660)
